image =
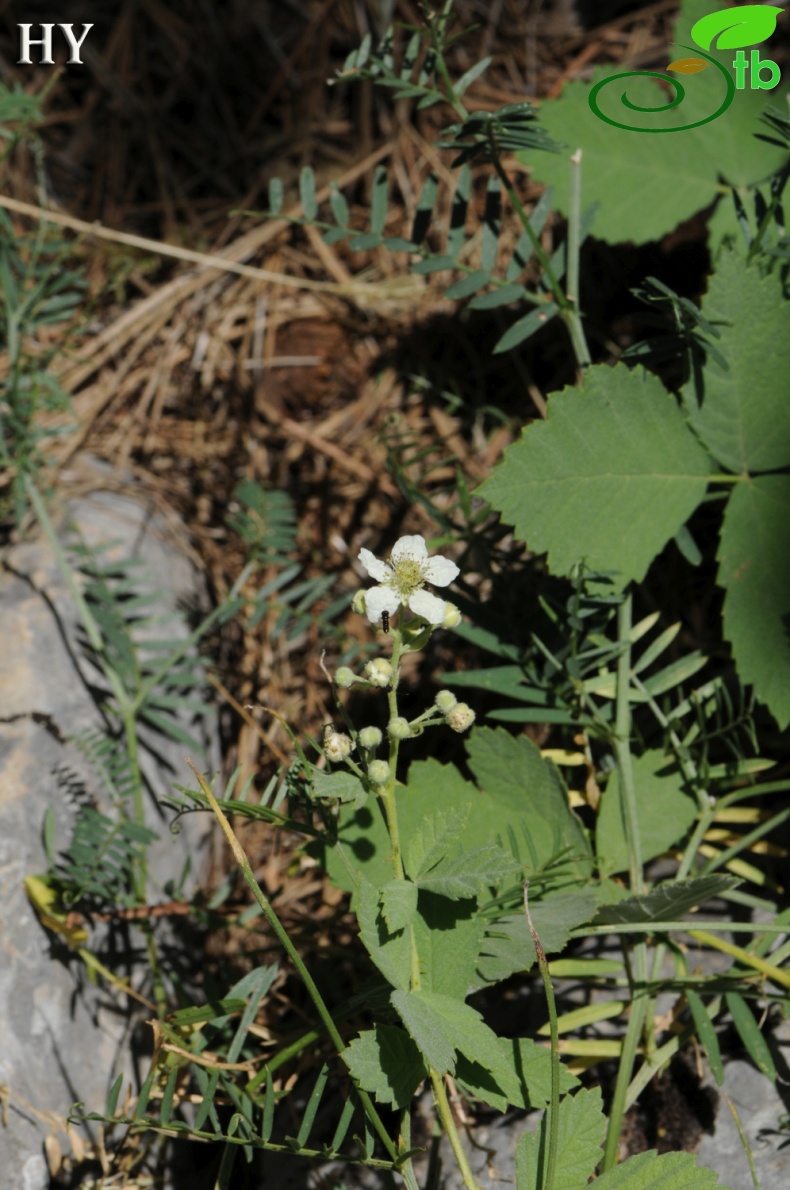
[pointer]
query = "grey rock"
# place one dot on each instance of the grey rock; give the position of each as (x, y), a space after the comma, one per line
(61, 1038)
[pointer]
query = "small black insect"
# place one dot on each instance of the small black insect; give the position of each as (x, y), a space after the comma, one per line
(385, 621)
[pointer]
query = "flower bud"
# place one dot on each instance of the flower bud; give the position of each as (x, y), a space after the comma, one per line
(460, 717)
(452, 616)
(358, 603)
(379, 672)
(398, 728)
(336, 745)
(344, 677)
(370, 737)
(379, 772)
(445, 700)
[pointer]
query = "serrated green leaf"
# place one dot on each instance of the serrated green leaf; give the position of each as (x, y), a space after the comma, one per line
(750, 1035)
(527, 326)
(609, 477)
(467, 874)
(532, 1065)
(390, 952)
(386, 1063)
(307, 193)
(647, 184)
(651, 1171)
(398, 904)
(340, 786)
(447, 937)
(433, 838)
(754, 569)
(744, 420)
(515, 788)
(667, 903)
(508, 946)
(665, 813)
(582, 1127)
(440, 1025)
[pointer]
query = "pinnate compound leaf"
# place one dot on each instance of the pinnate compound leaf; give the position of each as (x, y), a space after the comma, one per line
(667, 1171)
(665, 813)
(744, 419)
(610, 477)
(754, 568)
(667, 903)
(532, 1064)
(386, 1063)
(440, 1025)
(469, 873)
(433, 839)
(447, 936)
(582, 1126)
(399, 904)
(515, 791)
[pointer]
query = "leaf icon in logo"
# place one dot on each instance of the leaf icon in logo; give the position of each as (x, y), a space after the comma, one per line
(688, 66)
(748, 24)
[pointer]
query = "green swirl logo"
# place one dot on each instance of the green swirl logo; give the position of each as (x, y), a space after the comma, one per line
(731, 28)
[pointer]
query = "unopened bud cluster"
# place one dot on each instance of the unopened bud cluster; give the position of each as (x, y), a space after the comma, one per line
(337, 746)
(460, 717)
(379, 672)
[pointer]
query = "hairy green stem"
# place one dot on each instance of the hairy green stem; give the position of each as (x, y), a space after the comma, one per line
(639, 1002)
(292, 952)
(448, 1123)
(554, 1106)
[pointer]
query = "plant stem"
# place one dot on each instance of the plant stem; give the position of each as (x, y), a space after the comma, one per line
(292, 952)
(639, 1002)
(448, 1123)
(554, 1106)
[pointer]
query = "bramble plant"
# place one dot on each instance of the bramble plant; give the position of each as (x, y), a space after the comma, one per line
(463, 878)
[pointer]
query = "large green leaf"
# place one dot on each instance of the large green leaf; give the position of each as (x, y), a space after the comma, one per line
(440, 1025)
(508, 946)
(665, 813)
(647, 183)
(754, 567)
(609, 477)
(582, 1126)
(386, 1062)
(669, 1171)
(447, 936)
(744, 420)
(467, 874)
(532, 1064)
(517, 795)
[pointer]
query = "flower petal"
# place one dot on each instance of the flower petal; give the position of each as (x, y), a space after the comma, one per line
(380, 599)
(430, 607)
(440, 571)
(377, 569)
(409, 547)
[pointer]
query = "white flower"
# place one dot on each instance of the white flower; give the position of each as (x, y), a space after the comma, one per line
(401, 581)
